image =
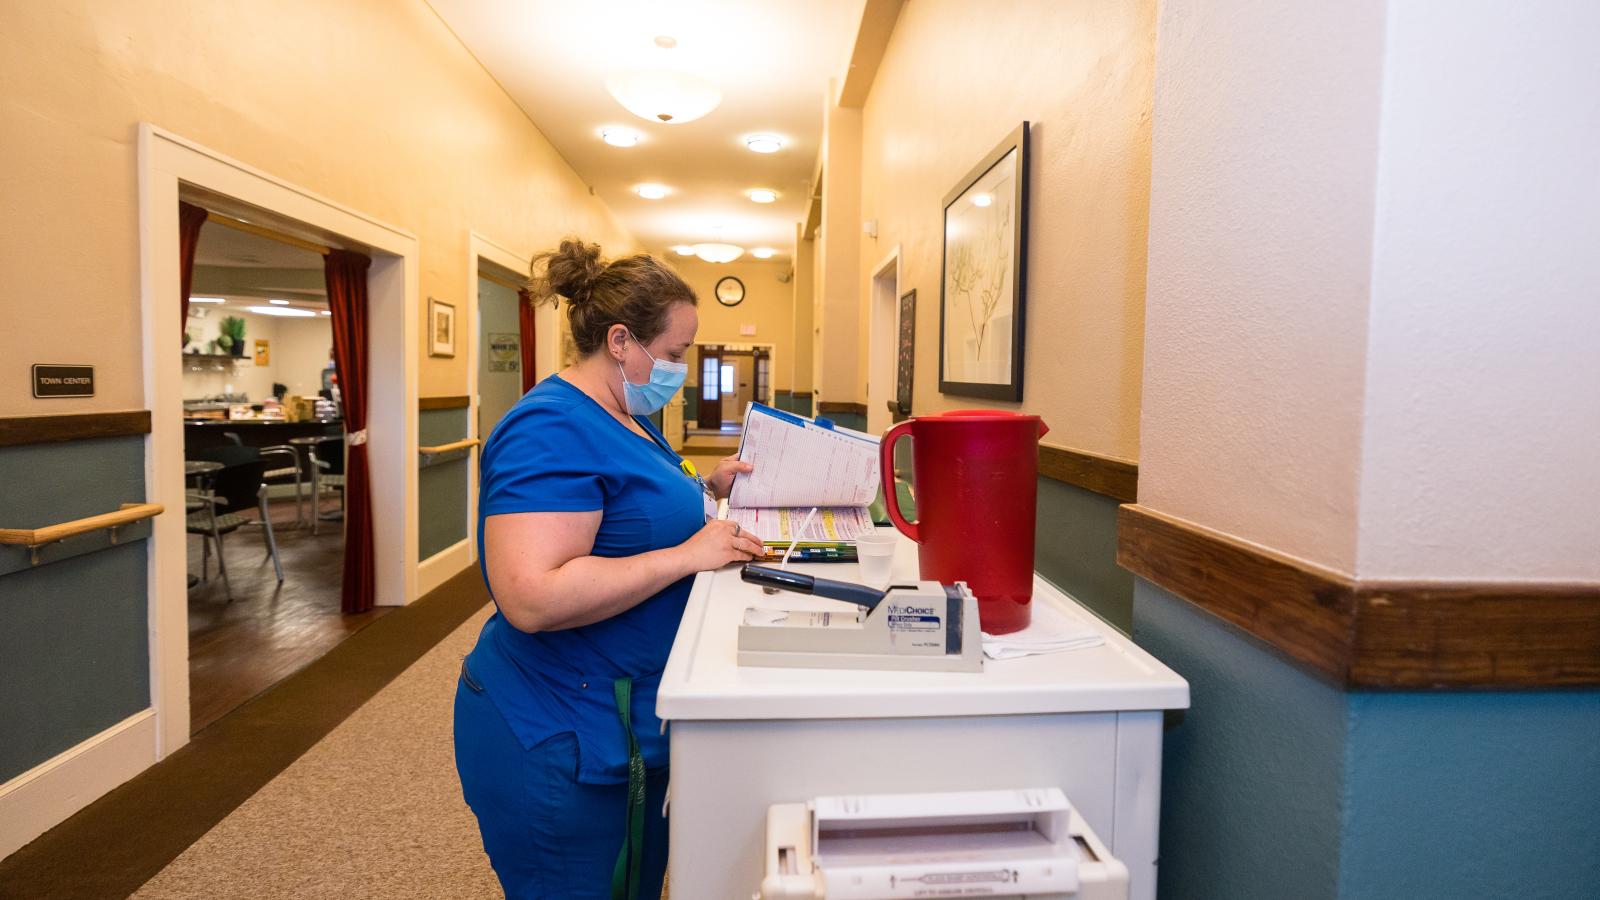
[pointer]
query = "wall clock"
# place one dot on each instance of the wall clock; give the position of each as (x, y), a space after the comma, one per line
(730, 291)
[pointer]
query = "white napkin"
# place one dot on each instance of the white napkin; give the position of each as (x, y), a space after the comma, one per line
(1051, 630)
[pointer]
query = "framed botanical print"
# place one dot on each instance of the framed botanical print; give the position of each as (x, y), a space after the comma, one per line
(905, 352)
(441, 328)
(984, 275)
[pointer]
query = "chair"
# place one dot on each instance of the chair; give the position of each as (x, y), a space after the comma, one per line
(290, 468)
(238, 485)
(326, 472)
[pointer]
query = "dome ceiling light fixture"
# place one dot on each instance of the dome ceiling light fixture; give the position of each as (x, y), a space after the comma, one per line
(664, 95)
(764, 143)
(763, 252)
(762, 195)
(652, 191)
(718, 253)
(619, 137)
(683, 250)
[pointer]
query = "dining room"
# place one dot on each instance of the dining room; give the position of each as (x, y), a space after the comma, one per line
(264, 463)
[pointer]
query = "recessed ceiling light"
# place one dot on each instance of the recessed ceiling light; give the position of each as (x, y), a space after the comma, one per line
(652, 191)
(764, 143)
(683, 250)
(717, 252)
(280, 311)
(207, 300)
(279, 302)
(324, 313)
(982, 199)
(763, 252)
(619, 137)
(762, 195)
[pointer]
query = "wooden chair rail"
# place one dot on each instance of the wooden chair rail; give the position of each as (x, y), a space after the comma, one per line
(34, 538)
(449, 448)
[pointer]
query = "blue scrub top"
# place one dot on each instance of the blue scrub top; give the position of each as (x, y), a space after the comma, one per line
(557, 450)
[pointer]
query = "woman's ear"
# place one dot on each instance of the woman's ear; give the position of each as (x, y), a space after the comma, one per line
(617, 341)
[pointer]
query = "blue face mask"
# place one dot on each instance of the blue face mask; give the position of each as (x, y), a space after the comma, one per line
(665, 379)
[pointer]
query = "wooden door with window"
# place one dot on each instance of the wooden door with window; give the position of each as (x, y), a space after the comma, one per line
(710, 413)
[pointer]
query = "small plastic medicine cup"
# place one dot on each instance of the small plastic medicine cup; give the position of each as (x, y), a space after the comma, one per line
(875, 554)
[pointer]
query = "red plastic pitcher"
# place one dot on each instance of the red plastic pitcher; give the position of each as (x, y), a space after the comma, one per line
(975, 478)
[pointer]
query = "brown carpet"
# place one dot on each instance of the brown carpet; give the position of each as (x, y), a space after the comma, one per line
(123, 839)
(373, 810)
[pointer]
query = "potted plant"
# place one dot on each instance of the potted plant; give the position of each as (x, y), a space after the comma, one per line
(232, 339)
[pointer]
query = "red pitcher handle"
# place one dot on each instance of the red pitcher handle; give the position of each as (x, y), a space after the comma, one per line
(891, 497)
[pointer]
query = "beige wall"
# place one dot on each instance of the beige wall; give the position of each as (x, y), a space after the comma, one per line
(838, 301)
(1260, 261)
(1481, 434)
(371, 103)
(952, 83)
(804, 297)
(768, 305)
(298, 351)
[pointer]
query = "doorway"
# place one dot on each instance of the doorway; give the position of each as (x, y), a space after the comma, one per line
(883, 328)
(494, 273)
(728, 378)
(172, 168)
(264, 457)
(499, 339)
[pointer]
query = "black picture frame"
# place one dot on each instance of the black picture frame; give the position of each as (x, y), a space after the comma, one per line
(905, 352)
(1011, 389)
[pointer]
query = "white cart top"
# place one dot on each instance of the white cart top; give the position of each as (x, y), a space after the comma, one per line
(703, 679)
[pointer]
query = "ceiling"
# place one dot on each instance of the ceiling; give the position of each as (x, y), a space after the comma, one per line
(771, 59)
(223, 246)
(247, 270)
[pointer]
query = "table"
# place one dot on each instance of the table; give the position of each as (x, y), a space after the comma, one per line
(308, 444)
(1086, 721)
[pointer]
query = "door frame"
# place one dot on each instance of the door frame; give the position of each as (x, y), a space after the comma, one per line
(883, 313)
(739, 347)
(166, 163)
(546, 345)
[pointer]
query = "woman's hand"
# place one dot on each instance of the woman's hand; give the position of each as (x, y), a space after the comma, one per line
(721, 480)
(719, 543)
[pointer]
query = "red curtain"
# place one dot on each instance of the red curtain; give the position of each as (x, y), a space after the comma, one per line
(346, 275)
(190, 218)
(525, 312)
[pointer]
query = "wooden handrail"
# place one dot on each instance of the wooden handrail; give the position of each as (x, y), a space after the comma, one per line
(447, 448)
(34, 538)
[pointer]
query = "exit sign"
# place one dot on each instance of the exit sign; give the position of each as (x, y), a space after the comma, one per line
(62, 381)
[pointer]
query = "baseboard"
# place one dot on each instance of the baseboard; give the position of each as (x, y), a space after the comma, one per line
(47, 794)
(443, 566)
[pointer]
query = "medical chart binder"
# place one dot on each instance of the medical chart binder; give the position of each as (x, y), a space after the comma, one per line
(802, 463)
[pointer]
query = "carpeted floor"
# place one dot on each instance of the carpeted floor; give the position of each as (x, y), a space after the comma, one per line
(373, 810)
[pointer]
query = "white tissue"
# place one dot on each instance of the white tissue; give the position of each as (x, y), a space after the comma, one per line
(1052, 630)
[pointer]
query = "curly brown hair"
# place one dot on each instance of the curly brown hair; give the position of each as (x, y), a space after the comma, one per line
(636, 291)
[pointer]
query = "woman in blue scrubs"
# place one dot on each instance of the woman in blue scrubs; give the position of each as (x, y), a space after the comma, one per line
(590, 531)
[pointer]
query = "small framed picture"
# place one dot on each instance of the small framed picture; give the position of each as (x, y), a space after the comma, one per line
(263, 352)
(441, 328)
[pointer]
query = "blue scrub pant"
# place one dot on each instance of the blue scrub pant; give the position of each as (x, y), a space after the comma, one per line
(547, 835)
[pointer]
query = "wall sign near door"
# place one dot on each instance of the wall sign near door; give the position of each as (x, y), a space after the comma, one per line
(50, 381)
(505, 352)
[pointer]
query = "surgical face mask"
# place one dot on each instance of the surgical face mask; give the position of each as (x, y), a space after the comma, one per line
(665, 379)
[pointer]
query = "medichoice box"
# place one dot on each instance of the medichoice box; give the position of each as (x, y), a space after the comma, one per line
(745, 739)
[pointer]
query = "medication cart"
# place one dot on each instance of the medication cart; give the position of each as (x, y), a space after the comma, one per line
(756, 747)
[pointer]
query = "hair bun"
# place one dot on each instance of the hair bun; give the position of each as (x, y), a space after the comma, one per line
(573, 269)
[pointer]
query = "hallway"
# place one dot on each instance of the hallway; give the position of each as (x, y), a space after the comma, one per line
(1256, 340)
